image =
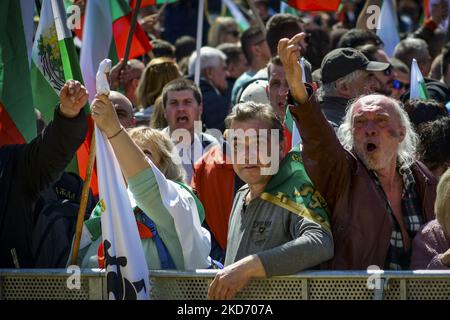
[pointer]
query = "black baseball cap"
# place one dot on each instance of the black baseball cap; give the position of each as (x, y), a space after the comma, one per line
(343, 61)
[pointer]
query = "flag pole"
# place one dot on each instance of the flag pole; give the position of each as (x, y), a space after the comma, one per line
(38, 5)
(259, 21)
(201, 8)
(133, 25)
(83, 202)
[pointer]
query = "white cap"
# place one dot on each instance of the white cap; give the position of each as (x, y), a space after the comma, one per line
(256, 92)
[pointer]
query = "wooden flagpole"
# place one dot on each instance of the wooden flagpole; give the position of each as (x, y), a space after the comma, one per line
(83, 202)
(133, 25)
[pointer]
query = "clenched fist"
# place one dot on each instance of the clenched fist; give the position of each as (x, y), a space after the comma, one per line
(73, 97)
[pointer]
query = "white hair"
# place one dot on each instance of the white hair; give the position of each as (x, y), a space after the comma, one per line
(209, 57)
(406, 153)
(330, 89)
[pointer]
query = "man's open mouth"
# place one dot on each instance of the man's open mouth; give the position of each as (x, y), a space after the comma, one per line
(182, 119)
(371, 147)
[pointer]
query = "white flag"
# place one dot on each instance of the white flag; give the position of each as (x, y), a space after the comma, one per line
(97, 37)
(387, 27)
(195, 241)
(126, 268)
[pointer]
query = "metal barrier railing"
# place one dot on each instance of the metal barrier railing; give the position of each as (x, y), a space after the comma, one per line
(18, 284)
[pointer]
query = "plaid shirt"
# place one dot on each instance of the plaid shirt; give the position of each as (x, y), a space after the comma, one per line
(398, 258)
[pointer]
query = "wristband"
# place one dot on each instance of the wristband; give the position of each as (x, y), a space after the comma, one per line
(116, 134)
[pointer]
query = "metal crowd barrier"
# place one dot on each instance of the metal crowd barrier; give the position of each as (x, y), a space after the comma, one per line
(49, 284)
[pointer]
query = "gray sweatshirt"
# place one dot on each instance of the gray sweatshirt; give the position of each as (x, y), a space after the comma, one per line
(285, 242)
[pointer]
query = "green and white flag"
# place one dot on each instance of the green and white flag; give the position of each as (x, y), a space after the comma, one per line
(418, 89)
(237, 14)
(54, 59)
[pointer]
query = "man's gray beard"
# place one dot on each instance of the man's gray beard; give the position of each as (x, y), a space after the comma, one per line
(368, 161)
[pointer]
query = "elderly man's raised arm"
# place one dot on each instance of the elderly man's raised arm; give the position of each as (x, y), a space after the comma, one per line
(325, 160)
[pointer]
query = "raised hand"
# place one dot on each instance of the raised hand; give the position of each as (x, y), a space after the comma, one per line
(114, 75)
(129, 73)
(105, 115)
(73, 97)
(289, 51)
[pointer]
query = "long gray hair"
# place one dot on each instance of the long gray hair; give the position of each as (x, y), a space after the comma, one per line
(406, 153)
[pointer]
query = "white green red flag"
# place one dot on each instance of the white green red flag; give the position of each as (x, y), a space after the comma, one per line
(106, 28)
(54, 61)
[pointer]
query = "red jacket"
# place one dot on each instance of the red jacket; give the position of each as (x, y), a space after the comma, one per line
(213, 181)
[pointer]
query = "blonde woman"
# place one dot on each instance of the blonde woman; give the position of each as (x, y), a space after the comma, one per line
(151, 168)
(158, 72)
(158, 119)
(223, 30)
(431, 246)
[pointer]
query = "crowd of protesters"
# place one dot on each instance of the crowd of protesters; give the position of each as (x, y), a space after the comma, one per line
(376, 182)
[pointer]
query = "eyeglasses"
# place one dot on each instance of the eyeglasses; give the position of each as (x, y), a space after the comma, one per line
(388, 71)
(398, 85)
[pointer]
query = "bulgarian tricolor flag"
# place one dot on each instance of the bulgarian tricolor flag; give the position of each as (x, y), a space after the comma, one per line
(121, 21)
(119, 18)
(291, 134)
(54, 61)
(418, 90)
(106, 20)
(17, 117)
(314, 5)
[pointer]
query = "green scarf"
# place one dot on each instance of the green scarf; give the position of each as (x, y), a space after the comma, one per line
(292, 189)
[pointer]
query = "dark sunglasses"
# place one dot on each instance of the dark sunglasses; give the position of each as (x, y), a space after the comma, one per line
(388, 71)
(396, 84)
